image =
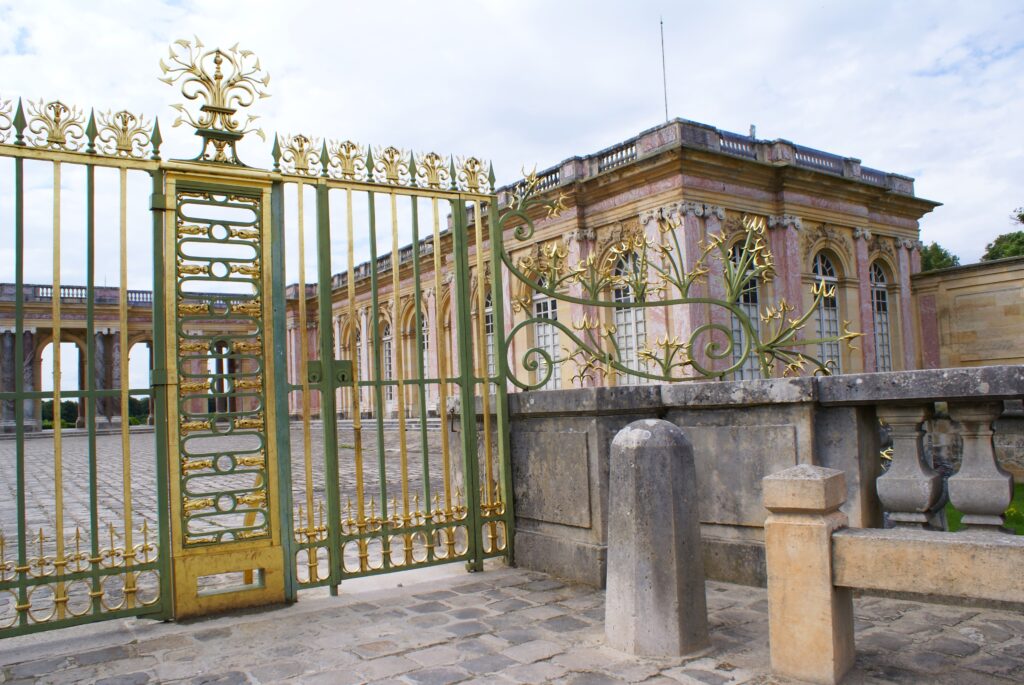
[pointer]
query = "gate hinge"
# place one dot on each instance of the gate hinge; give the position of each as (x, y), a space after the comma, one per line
(158, 377)
(341, 371)
(158, 202)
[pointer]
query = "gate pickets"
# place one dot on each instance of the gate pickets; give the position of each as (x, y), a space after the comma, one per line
(393, 330)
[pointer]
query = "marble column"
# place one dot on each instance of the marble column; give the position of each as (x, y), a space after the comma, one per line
(83, 411)
(903, 254)
(784, 241)
(100, 370)
(152, 401)
(30, 372)
(713, 217)
(367, 338)
(433, 391)
(861, 236)
(115, 375)
(7, 422)
(580, 244)
(690, 233)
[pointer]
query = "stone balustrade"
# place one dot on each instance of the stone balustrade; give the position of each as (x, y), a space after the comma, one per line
(743, 431)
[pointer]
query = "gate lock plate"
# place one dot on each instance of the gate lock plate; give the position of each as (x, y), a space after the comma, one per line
(340, 371)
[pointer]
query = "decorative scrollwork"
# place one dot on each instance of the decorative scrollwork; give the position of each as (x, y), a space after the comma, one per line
(123, 134)
(647, 269)
(393, 167)
(300, 155)
(431, 172)
(225, 81)
(347, 161)
(6, 120)
(56, 126)
(470, 175)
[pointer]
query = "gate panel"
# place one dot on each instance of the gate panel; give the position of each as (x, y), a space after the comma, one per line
(225, 526)
(386, 478)
(84, 535)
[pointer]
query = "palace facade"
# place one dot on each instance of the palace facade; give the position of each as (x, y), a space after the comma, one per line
(829, 219)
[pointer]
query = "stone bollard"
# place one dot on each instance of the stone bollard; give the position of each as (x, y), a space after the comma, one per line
(810, 621)
(655, 602)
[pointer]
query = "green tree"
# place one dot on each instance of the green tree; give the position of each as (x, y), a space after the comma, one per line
(935, 256)
(1006, 245)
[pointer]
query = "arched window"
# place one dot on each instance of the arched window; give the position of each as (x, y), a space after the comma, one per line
(630, 327)
(387, 363)
(828, 311)
(880, 318)
(546, 335)
(489, 340)
(748, 301)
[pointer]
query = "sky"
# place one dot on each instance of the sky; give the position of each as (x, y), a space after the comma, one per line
(932, 90)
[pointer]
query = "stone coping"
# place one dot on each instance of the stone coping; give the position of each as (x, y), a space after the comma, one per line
(984, 383)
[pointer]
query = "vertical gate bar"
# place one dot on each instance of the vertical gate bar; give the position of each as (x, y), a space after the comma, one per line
(357, 419)
(420, 370)
(159, 388)
(328, 410)
(19, 382)
(307, 450)
(126, 453)
(280, 371)
(467, 384)
(485, 387)
(90, 383)
(442, 373)
(396, 346)
(377, 370)
(501, 371)
(60, 598)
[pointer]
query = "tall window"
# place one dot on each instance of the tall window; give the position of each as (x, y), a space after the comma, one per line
(630, 327)
(546, 335)
(828, 312)
(386, 348)
(880, 318)
(488, 332)
(425, 335)
(358, 354)
(748, 303)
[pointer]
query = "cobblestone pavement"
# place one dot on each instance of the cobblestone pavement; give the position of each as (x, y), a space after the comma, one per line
(501, 626)
(39, 460)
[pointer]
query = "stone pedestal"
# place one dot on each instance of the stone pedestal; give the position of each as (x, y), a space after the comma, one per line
(655, 602)
(810, 622)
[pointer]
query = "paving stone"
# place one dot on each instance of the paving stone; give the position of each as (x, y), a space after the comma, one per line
(882, 639)
(369, 650)
(441, 655)
(952, 646)
(465, 628)
(469, 613)
(590, 658)
(385, 667)
(334, 677)
(435, 595)
(563, 624)
(136, 678)
(1000, 666)
(537, 672)
(278, 670)
(229, 678)
(696, 675)
(470, 588)
(535, 650)
(39, 667)
(510, 604)
(428, 607)
(925, 661)
(436, 676)
(491, 663)
(592, 679)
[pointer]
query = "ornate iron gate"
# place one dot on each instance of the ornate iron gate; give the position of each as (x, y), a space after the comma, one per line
(388, 347)
(405, 337)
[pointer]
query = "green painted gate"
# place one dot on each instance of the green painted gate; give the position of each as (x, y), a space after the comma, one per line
(349, 288)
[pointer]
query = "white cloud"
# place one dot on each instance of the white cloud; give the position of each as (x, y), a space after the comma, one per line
(934, 90)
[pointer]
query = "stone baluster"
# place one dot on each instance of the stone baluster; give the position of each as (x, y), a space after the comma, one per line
(910, 489)
(981, 489)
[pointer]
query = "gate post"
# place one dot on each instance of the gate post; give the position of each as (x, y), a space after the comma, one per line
(810, 621)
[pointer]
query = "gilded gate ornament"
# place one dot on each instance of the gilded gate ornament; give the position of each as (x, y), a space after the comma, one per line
(225, 81)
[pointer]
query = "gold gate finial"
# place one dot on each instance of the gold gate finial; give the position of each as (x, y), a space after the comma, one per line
(225, 81)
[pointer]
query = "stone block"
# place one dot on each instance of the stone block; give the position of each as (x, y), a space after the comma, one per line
(551, 475)
(740, 393)
(929, 385)
(655, 601)
(572, 559)
(805, 488)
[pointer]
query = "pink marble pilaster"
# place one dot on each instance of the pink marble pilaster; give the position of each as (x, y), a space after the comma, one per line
(580, 245)
(861, 236)
(906, 306)
(719, 316)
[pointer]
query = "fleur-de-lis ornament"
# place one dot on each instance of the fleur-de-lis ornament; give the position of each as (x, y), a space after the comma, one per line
(224, 81)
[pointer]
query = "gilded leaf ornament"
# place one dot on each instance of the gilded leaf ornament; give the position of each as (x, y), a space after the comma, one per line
(300, 155)
(56, 126)
(223, 81)
(6, 120)
(347, 161)
(123, 134)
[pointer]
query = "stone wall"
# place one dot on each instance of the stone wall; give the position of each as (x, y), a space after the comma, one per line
(741, 431)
